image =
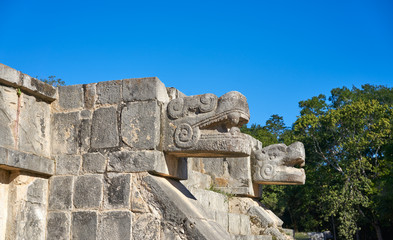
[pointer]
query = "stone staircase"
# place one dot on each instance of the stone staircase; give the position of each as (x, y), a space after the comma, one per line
(243, 217)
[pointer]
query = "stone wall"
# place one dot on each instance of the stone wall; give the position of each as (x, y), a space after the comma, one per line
(89, 162)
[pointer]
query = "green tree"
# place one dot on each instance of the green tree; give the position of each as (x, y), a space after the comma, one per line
(347, 143)
(52, 80)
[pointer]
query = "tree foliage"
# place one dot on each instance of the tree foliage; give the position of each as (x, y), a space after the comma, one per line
(349, 157)
(52, 80)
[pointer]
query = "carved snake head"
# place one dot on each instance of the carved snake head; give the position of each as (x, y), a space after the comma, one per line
(275, 164)
(207, 126)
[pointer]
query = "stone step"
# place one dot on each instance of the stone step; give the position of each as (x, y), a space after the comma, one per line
(211, 200)
(252, 237)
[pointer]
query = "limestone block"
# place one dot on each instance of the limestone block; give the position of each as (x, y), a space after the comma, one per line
(245, 226)
(85, 134)
(141, 223)
(88, 191)
(241, 205)
(136, 161)
(275, 233)
(104, 130)
(8, 109)
(138, 204)
(277, 221)
(94, 163)
(234, 223)
(60, 193)
(212, 200)
(197, 180)
(115, 225)
(214, 166)
(222, 219)
(4, 189)
(140, 125)
(117, 191)
(90, 95)
(58, 225)
(34, 126)
(260, 217)
(263, 237)
(243, 237)
(109, 92)
(27, 211)
(65, 128)
(140, 89)
(68, 164)
(12, 77)
(84, 225)
(28, 162)
(71, 97)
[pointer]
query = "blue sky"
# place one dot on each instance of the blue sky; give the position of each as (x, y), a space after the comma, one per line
(276, 53)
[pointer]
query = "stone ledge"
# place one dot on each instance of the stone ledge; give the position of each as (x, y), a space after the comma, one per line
(14, 78)
(16, 160)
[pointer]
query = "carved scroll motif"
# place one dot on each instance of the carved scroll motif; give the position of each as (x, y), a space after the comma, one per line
(181, 107)
(186, 136)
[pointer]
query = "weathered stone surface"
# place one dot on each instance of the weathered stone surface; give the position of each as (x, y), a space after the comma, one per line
(4, 189)
(234, 223)
(12, 77)
(263, 237)
(197, 180)
(136, 161)
(140, 125)
(8, 109)
(138, 204)
(85, 132)
(245, 226)
(65, 133)
(94, 163)
(241, 205)
(71, 97)
(85, 114)
(84, 225)
(274, 164)
(275, 233)
(90, 95)
(141, 223)
(115, 225)
(222, 219)
(104, 130)
(58, 225)
(34, 126)
(88, 191)
(207, 126)
(27, 213)
(261, 218)
(60, 193)
(212, 200)
(26, 161)
(174, 93)
(68, 164)
(180, 207)
(140, 89)
(117, 191)
(109, 92)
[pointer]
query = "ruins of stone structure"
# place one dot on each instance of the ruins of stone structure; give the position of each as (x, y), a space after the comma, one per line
(132, 159)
